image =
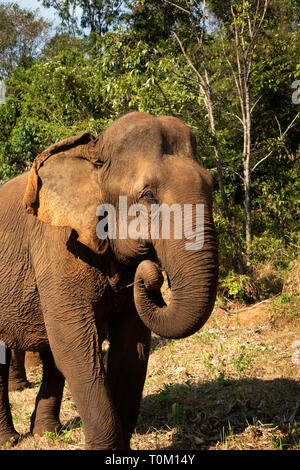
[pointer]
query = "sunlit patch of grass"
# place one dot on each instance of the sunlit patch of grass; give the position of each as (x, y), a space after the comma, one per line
(285, 307)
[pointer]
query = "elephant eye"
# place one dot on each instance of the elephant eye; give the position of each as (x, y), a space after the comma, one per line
(149, 196)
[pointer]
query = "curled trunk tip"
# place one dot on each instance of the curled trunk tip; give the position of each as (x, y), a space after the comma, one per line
(193, 292)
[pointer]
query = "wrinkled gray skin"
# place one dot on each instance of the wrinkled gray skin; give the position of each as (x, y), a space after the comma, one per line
(61, 287)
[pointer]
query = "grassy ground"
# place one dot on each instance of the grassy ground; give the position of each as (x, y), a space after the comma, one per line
(233, 385)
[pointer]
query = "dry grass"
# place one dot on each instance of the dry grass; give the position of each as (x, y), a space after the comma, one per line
(233, 385)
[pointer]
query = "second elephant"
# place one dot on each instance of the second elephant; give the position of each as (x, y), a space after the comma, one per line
(20, 360)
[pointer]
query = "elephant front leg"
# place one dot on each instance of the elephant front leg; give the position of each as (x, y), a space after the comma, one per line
(47, 406)
(76, 349)
(127, 366)
(7, 430)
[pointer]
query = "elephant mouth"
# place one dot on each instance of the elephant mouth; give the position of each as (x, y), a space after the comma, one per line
(162, 269)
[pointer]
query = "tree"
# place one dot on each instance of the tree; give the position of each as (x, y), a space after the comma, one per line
(96, 15)
(22, 34)
(153, 20)
(241, 33)
(185, 59)
(244, 25)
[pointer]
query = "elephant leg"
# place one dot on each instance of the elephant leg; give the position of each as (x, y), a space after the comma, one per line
(47, 406)
(7, 430)
(17, 373)
(77, 352)
(32, 360)
(127, 366)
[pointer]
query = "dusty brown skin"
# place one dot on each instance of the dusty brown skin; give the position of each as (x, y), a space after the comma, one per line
(62, 288)
(17, 369)
(17, 373)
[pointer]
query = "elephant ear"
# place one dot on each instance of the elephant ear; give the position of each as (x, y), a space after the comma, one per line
(63, 187)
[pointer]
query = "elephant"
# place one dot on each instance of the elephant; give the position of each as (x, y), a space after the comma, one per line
(17, 370)
(64, 288)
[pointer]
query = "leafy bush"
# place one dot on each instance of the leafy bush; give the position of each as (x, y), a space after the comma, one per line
(238, 287)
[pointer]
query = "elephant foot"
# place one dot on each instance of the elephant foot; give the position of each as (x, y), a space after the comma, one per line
(9, 439)
(41, 427)
(18, 385)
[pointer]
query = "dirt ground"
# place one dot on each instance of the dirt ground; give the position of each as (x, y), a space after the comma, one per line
(233, 385)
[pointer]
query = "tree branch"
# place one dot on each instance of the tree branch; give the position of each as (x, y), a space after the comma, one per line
(292, 124)
(252, 108)
(190, 63)
(177, 6)
(184, 77)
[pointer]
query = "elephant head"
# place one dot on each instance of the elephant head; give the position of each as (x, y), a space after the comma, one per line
(152, 161)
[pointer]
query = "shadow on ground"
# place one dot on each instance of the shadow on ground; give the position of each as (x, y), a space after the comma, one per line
(205, 411)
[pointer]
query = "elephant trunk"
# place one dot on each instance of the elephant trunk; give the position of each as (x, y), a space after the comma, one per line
(193, 280)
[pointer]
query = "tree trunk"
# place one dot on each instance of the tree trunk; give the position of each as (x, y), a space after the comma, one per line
(247, 171)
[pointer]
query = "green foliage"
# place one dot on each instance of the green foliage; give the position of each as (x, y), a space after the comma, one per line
(81, 88)
(163, 398)
(238, 287)
(82, 83)
(177, 415)
(65, 435)
(285, 307)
